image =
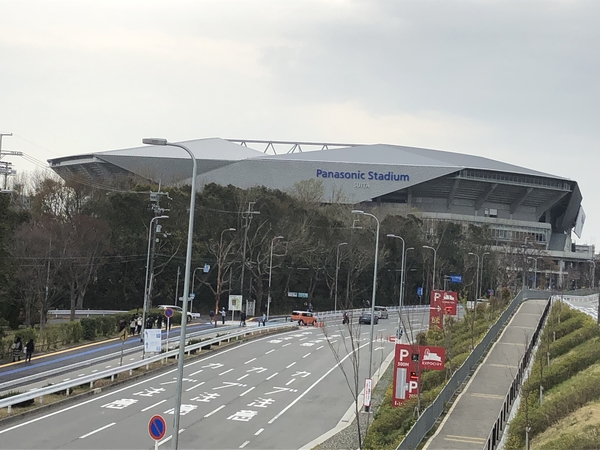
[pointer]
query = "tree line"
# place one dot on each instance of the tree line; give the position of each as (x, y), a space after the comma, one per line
(71, 245)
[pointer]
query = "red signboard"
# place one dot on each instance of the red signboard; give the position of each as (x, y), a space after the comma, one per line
(431, 358)
(441, 303)
(405, 365)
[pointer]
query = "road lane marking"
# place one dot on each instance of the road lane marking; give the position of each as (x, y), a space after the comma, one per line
(298, 398)
(319, 348)
(214, 411)
(81, 375)
(94, 371)
(290, 365)
(195, 386)
(66, 379)
(301, 339)
(272, 350)
(305, 355)
(96, 431)
(481, 395)
(244, 444)
(108, 367)
(152, 406)
(465, 439)
(290, 382)
(243, 376)
(198, 371)
(227, 371)
(165, 440)
(259, 431)
(276, 373)
(503, 365)
(249, 361)
(245, 392)
(285, 345)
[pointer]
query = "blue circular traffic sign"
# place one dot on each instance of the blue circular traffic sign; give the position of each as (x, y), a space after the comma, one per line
(157, 427)
(168, 313)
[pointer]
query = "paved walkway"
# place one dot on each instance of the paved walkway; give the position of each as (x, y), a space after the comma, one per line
(472, 416)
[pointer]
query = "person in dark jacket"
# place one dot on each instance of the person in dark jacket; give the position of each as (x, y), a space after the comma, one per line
(28, 350)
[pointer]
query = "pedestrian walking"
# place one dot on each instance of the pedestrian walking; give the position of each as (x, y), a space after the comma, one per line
(132, 326)
(138, 325)
(28, 350)
(263, 320)
(211, 315)
(159, 322)
(17, 349)
(223, 314)
(243, 319)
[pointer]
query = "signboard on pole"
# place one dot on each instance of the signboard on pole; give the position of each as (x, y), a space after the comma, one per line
(152, 341)
(405, 382)
(368, 388)
(235, 303)
(440, 304)
(157, 427)
(431, 358)
(455, 278)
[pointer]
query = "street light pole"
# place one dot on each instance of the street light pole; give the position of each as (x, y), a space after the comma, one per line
(534, 270)
(475, 302)
(146, 287)
(270, 272)
(374, 291)
(401, 279)
(248, 216)
(186, 284)
(337, 269)
(481, 273)
(434, 258)
(219, 264)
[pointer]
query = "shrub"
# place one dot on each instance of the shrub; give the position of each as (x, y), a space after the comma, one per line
(88, 327)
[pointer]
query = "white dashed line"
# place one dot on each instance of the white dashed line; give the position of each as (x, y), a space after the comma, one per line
(195, 386)
(285, 345)
(198, 371)
(169, 438)
(276, 373)
(290, 365)
(152, 406)
(270, 351)
(305, 355)
(81, 375)
(319, 348)
(259, 431)
(301, 339)
(94, 371)
(249, 361)
(245, 392)
(66, 379)
(218, 409)
(244, 444)
(227, 371)
(99, 429)
(108, 367)
(242, 377)
(290, 382)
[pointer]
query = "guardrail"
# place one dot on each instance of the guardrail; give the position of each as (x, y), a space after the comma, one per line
(83, 312)
(67, 386)
(513, 391)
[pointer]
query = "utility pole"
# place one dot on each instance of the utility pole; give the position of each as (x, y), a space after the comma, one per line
(6, 166)
(158, 211)
(248, 217)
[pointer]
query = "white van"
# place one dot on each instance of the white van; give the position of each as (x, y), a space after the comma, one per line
(381, 312)
(178, 309)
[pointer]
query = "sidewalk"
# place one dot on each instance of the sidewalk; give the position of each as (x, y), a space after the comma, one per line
(470, 420)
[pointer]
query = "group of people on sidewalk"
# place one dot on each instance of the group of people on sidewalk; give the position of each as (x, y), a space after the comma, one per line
(222, 313)
(17, 349)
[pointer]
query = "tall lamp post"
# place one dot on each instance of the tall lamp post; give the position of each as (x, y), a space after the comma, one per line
(186, 284)
(146, 287)
(481, 273)
(270, 272)
(535, 260)
(356, 211)
(337, 269)
(434, 258)
(401, 295)
(475, 302)
(220, 263)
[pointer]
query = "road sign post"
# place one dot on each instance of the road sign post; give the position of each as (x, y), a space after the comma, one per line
(123, 337)
(368, 388)
(168, 315)
(157, 429)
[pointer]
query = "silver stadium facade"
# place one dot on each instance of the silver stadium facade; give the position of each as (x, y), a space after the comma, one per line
(520, 206)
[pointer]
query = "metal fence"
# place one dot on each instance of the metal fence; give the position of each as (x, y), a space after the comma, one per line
(429, 417)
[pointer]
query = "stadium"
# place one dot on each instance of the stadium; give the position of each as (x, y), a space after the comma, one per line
(522, 208)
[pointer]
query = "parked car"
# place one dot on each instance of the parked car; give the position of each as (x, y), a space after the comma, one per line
(190, 315)
(303, 317)
(381, 312)
(366, 319)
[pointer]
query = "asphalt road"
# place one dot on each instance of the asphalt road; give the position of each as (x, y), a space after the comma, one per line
(276, 392)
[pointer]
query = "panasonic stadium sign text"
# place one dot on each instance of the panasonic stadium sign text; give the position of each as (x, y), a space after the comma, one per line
(360, 175)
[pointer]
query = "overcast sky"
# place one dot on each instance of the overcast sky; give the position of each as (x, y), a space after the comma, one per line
(516, 81)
